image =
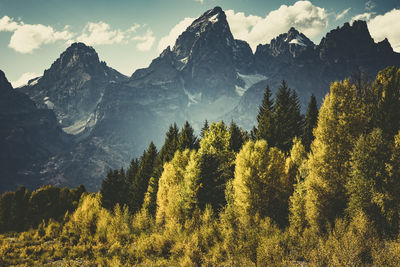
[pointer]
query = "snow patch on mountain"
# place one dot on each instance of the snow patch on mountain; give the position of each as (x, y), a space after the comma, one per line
(75, 128)
(34, 81)
(193, 98)
(48, 103)
(249, 80)
(214, 18)
(298, 41)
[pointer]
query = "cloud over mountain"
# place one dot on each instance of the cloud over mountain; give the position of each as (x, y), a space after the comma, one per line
(303, 15)
(28, 37)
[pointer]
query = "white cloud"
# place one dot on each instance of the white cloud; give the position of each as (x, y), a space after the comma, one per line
(101, 34)
(303, 15)
(147, 41)
(386, 26)
(170, 39)
(28, 37)
(135, 27)
(364, 16)
(369, 5)
(8, 24)
(200, 1)
(342, 14)
(24, 79)
(240, 24)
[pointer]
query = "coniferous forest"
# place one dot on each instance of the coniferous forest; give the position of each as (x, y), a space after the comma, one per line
(314, 189)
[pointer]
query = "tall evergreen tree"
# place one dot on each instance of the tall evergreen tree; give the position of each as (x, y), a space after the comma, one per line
(238, 137)
(114, 190)
(204, 129)
(170, 145)
(253, 134)
(132, 171)
(168, 150)
(187, 139)
(311, 120)
(288, 119)
(146, 169)
(265, 119)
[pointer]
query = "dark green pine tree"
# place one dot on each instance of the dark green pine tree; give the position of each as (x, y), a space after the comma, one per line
(170, 146)
(114, 189)
(297, 118)
(288, 119)
(253, 134)
(168, 150)
(187, 139)
(265, 119)
(146, 170)
(237, 137)
(204, 129)
(132, 171)
(310, 122)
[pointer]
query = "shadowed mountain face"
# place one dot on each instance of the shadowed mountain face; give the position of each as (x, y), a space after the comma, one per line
(73, 86)
(28, 137)
(310, 69)
(207, 74)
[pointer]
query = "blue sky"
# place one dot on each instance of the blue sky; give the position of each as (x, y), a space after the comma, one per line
(128, 34)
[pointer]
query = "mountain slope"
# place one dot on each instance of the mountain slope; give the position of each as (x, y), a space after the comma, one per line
(73, 86)
(204, 74)
(28, 137)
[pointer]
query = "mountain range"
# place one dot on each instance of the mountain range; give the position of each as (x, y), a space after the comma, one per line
(81, 118)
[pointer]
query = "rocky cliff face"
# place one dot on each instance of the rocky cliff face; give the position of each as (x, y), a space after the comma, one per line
(204, 74)
(73, 86)
(28, 137)
(207, 74)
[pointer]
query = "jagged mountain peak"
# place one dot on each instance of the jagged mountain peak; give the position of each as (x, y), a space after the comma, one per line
(210, 29)
(300, 38)
(78, 55)
(286, 46)
(384, 46)
(358, 32)
(348, 41)
(4, 83)
(215, 15)
(292, 37)
(73, 86)
(292, 32)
